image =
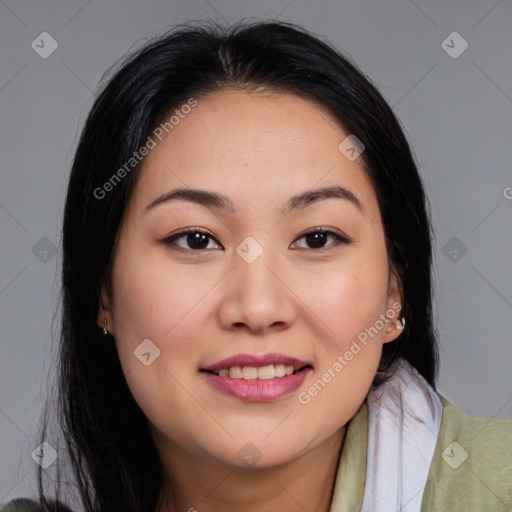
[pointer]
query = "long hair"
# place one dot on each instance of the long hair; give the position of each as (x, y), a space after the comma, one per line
(114, 461)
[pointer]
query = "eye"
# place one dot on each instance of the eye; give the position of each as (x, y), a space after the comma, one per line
(318, 236)
(195, 238)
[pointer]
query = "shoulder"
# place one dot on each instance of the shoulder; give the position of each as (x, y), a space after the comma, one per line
(26, 505)
(472, 464)
(21, 505)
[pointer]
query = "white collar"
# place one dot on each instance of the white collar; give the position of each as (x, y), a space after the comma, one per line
(404, 418)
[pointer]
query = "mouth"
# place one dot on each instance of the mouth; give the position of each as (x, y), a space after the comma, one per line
(257, 378)
(250, 367)
(268, 372)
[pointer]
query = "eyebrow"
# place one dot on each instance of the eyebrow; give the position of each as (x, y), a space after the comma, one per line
(221, 202)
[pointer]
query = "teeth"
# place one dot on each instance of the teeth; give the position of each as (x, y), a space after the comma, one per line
(268, 372)
(235, 372)
(249, 372)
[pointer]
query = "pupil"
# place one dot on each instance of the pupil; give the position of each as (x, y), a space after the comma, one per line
(198, 240)
(316, 238)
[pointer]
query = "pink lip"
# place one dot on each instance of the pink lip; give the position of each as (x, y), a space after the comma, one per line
(251, 360)
(256, 390)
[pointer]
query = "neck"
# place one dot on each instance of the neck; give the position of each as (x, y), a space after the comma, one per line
(194, 485)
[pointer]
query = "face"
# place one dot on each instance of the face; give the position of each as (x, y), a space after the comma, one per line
(279, 284)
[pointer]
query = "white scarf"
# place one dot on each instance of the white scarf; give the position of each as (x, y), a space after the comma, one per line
(404, 417)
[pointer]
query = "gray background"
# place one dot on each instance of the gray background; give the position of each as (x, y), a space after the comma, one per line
(457, 113)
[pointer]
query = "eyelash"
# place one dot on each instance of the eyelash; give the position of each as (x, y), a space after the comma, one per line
(170, 240)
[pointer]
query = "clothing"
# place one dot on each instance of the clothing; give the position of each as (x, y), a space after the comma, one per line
(404, 419)
(480, 482)
(25, 505)
(425, 455)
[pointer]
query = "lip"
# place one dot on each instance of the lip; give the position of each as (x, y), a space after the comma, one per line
(256, 390)
(253, 360)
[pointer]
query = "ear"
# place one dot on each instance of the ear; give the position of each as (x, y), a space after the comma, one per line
(394, 307)
(104, 310)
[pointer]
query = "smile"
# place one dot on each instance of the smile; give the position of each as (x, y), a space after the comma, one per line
(242, 377)
(268, 372)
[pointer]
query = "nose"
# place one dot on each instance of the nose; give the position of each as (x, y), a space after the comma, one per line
(256, 295)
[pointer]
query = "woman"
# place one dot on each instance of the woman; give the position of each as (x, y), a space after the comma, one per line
(247, 318)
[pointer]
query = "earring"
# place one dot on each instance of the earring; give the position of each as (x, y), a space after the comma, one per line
(105, 332)
(400, 325)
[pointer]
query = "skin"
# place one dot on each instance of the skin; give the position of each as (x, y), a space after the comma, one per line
(199, 306)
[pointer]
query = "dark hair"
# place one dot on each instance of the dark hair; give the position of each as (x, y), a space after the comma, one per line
(99, 417)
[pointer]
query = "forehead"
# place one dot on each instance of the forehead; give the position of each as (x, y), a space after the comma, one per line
(263, 147)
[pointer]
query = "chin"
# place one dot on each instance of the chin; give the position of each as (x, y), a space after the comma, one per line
(247, 454)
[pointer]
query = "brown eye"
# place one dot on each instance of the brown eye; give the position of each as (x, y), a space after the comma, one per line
(317, 238)
(195, 239)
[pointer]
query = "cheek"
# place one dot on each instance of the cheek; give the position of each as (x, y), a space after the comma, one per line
(334, 397)
(349, 299)
(350, 302)
(153, 297)
(153, 301)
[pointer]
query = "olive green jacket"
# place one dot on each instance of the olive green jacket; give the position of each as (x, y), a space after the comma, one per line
(471, 470)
